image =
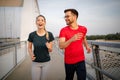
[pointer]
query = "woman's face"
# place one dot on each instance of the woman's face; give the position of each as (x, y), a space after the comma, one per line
(40, 22)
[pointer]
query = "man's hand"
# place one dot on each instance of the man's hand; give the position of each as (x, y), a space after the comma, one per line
(88, 50)
(77, 36)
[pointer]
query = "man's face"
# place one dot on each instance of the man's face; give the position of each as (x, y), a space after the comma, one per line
(69, 17)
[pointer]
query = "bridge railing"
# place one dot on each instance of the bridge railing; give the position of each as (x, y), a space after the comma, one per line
(11, 55)
(105, 61)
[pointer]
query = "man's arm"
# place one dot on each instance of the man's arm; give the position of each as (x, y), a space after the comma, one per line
(63, 43)
(86, 45)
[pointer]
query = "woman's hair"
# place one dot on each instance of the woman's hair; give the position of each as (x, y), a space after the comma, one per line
(47, 35)
(40, 16)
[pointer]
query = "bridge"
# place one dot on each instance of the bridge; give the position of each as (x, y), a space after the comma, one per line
(103, 63)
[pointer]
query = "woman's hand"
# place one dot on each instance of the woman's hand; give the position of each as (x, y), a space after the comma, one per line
(49, 46)
(33, 57)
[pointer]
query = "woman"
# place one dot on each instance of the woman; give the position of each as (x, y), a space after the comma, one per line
(41, 40)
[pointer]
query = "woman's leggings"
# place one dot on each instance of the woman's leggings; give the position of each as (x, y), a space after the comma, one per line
(39, 70)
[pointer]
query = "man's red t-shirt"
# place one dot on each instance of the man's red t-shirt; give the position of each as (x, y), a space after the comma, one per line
(74, 52)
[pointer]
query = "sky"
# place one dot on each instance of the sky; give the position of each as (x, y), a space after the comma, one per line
(100, 17)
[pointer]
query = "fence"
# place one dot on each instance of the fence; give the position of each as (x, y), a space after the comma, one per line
(105, 62)
(11, 55)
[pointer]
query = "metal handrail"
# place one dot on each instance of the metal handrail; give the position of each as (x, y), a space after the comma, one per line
(10, 44)
(102, 71)
(97, 65)
(107, 44)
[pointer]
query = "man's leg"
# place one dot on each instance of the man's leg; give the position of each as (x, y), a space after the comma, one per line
(70, 70)
(81, 70)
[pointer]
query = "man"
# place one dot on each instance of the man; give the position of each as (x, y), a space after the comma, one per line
(71, 38)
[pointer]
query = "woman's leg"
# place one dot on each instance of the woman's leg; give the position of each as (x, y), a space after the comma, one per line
(36, 71)
(45, 67)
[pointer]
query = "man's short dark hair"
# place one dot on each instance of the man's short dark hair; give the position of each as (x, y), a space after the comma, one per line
(74, 11)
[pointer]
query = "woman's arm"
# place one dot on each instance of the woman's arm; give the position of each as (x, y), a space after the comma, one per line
(30, 51)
